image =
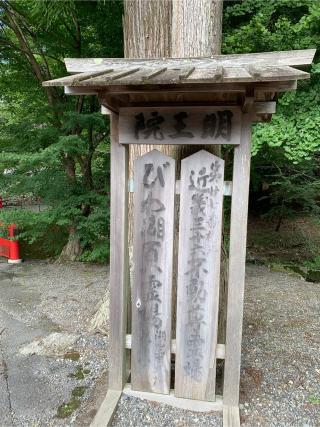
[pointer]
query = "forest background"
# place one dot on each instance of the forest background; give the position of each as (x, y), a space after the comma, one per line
(54, 149)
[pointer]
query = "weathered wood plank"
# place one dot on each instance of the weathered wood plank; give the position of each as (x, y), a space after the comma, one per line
(71, 90)
(200, 230)
(131, 76)
(200, 75)
(105, 413)
(231, 416)
(154, 175)
(220, 349)
(186, 72)
(227, 188)
(263, 73)
(154, 73)
(118, 259)
(293, 58)
(77, 78)
(236, 74)
(237, 256)
(180, 125)
(264, 107)
(176, 402)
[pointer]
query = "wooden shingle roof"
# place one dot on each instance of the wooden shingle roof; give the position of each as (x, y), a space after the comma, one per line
(243, 68)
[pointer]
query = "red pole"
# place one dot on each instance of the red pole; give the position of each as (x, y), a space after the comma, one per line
(14, 248)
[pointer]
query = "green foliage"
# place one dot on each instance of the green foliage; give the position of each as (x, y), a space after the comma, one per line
(53, 147)
(286, 151)
(56, 147)
(314, 263)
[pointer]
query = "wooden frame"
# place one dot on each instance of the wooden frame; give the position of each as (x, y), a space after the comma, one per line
(121, 341)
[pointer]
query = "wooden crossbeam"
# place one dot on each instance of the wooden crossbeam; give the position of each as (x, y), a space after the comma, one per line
(227, 187)
(176, 402)
(220, 350)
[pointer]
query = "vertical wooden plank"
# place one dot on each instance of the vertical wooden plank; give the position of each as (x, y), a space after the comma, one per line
(237, 259)
(201, 199)
(154, 175)
(118, 258)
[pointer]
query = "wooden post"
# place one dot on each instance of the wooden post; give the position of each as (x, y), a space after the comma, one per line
(237, 258)
(118, 258)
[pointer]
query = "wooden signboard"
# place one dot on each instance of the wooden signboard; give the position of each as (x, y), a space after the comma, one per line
(154, 176)
(180, 125)
(201, 200)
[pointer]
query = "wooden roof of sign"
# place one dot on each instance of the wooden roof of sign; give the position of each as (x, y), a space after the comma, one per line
(247, 68)
(222, 78)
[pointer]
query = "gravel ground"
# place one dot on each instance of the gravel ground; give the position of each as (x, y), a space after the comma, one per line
(280, 377)
(280, 380)
(42, 302)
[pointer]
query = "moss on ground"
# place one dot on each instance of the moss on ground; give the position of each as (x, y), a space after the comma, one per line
(66, 409)
(79, 373)
(78, 391)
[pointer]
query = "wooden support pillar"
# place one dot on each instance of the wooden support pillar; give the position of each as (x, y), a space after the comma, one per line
(118, 258)
(237, 259)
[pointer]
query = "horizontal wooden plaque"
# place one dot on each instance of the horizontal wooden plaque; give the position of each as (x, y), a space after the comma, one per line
(180, 125)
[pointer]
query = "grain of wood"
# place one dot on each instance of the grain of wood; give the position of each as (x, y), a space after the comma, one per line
(118, 259)
(231, 416)
(200, 232)
(293, 58)
(209, 74)
(176, 402)
(237, 257)
(146, 25)
(152, 278)
(220, 349)
(196, 28)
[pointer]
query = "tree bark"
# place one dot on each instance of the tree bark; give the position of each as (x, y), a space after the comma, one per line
(72, 250)
(196, 28)
(178, 28)
(147, 34)
(196, 32)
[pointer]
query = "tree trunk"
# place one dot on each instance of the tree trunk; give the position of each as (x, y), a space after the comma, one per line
(197, 32)
(72, 250)
(196, 28)
(172, 28)
(178, 28)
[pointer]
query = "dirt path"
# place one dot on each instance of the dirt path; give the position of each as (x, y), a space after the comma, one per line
(49, 362)
(48, 357)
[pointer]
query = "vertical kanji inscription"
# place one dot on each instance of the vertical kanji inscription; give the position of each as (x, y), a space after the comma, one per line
(201, 199)
(154, 176)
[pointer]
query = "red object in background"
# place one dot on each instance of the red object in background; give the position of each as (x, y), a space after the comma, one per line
(10, 248)
(1, 203)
